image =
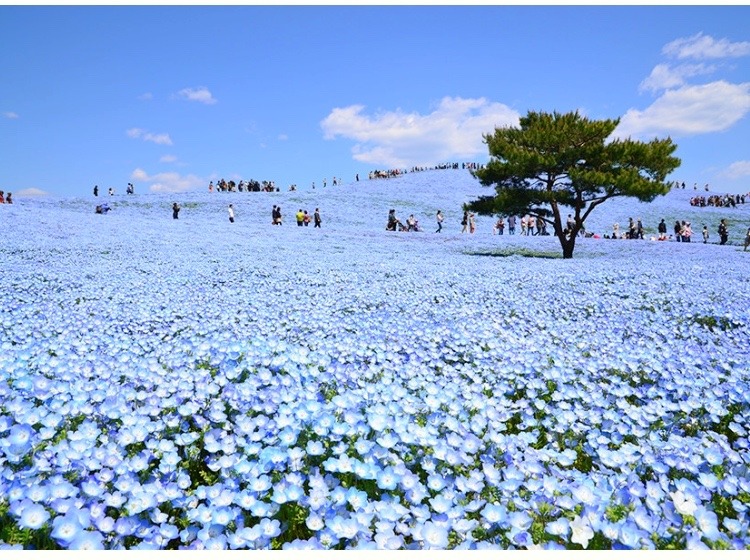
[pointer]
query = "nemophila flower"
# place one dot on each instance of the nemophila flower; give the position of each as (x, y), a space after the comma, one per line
(19, 438)
(315, 448)
(436, 482)
(105, 524)
(33, 516)
(584, 493)
(261, 509)
(434, 535)
(388, 479)
(581, 532)
(494, 513)
(708, 523)
(114, 499)
(683, 503)
(66, 528)
(37, 493)
(87, 540)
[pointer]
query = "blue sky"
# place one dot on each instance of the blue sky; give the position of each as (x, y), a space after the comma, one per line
(172, 97)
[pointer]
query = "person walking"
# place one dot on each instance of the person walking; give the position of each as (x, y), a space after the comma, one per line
(316, 218)
(465, 222)
(511, 225)
(472, 224)
(747, 240)
(439, 218)
(723, 232)
(705, 234)
(175, 211)
(300, 217)
(231, 214)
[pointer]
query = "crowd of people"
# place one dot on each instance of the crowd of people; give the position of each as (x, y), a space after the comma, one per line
(243, 186)
(302, 217)
(718, 201)
(388, 173)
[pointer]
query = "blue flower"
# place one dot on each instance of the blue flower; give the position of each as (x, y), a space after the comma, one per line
(388, 479)
(559, 527)
(34, 516)
(494, 513)
(66, 528)
(87, 540)
(434, 535)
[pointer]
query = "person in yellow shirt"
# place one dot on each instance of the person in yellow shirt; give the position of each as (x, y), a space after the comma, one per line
(300, 217)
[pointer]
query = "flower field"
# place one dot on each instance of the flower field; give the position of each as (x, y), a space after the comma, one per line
(196, 384)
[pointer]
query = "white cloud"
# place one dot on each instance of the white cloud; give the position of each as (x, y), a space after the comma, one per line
(664, 76)
(200, 94)
(689, 110)
(147, 136)
(453, 130)
(10, 115)
(702, 47)
(33, 191)
(168, 182)
(737, 170)
(148, 96)
(168, 158)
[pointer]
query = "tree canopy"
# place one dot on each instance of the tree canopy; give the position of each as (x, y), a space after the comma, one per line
(555, 161)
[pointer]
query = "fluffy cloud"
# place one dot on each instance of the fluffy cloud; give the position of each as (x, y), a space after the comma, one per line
(664, 76)
(147, 136)
(738, 170)
(701, 47)
(685, 108)
(200, 94)
(10, 115)
(33, 191)
(453, 130)
(689, 110)
(168, 182)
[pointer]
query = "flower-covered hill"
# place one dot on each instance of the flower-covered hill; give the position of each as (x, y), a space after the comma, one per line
(197, 384)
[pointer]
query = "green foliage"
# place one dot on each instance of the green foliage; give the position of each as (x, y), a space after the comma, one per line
(555, 160)
(11, 533)
(513, 251)
(715, 323)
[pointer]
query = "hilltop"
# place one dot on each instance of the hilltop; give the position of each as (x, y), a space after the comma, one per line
(360, 209)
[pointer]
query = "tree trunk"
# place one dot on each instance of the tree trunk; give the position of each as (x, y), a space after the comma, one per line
(567, 246)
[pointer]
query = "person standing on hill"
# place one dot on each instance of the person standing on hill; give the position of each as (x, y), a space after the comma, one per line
(231, 214)
(747, 240)
(300, 217)
(175, 211)
(465, 223)
(316, 218)
(662, 229)
(705, 234)
(439, 218)
(677, 230)
(511, 225)
(96, 190)
(723, 232)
